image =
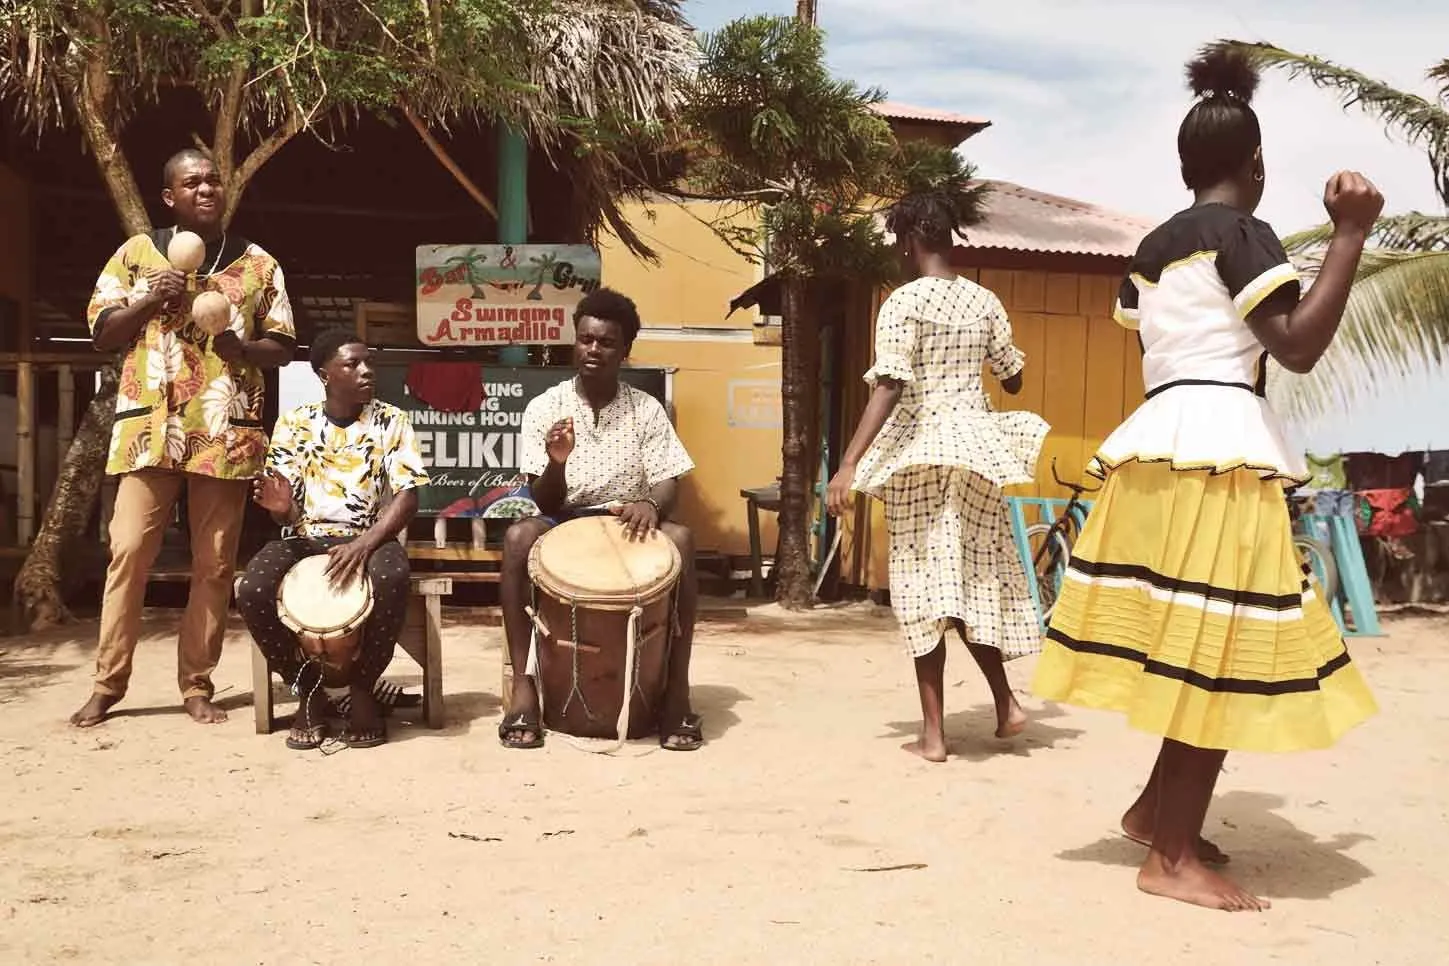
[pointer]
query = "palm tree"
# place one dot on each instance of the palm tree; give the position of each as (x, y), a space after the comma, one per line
(1397, 320)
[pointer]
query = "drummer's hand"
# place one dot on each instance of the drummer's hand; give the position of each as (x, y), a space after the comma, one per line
(346, 560)
(560, 441)
(228, 345)
(273, 493)
(837, 494)
(639, 519)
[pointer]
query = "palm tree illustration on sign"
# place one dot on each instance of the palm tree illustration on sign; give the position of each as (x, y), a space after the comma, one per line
(544, 264)
(472, 264)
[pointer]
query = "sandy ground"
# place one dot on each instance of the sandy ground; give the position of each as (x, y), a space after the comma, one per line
(154, 840)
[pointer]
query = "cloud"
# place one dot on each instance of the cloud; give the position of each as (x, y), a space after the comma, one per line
(1085, 98)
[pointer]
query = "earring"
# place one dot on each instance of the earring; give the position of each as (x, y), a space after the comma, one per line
(1258, 177)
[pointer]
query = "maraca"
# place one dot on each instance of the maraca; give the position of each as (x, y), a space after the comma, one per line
(211, 311)
(186, 252)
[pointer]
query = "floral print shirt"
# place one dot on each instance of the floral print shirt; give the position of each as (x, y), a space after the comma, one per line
(341, 474)
(179, 406)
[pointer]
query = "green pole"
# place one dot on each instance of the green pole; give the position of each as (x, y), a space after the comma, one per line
(512, 210)
(512, 187)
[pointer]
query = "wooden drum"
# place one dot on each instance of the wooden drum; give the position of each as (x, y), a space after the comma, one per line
(327, 620)
(594, 589)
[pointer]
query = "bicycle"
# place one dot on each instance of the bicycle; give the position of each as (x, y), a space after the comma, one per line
(1317, 554)
(1050, 544)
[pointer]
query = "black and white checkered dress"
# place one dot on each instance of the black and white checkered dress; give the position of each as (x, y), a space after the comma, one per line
(939, 464)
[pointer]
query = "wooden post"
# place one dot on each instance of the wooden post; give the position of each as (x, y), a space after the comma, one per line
(25, 452)
(65, 417)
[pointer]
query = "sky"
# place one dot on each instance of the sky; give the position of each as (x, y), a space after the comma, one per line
(1085, 99)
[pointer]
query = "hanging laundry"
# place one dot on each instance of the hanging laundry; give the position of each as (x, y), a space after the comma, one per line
(1436, 504)
(1328, 472)
(1375, 471)
(1436, 467)
(449, 387)
(1390, 513)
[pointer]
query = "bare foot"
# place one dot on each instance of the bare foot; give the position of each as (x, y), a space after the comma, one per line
(1140, 832)
(932, 748)
(202, 711)
(1011, 723)
(1192, 882)
(94, 711)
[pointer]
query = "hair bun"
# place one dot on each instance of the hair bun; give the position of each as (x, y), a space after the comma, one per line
(1223, 71)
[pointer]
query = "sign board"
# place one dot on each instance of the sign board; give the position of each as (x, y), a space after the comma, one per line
(472, 456)
(755, 404)
(495, 295)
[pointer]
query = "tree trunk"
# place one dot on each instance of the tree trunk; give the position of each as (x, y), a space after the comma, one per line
(38, 597)
(798, 395)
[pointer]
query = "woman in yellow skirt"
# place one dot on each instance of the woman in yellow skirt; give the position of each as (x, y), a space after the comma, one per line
(1186, 606)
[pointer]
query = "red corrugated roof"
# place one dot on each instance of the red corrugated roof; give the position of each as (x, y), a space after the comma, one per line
(907, 112)
(1021, 219)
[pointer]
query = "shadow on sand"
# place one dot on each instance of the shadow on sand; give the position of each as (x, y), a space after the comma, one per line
(1270, 855)
(971, 734)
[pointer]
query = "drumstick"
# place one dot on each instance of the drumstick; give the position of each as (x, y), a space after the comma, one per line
(825, 565)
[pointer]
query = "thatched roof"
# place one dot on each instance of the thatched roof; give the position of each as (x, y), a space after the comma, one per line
(624, 67)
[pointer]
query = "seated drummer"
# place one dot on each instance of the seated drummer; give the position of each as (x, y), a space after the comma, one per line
(586, 443)
(327, 471)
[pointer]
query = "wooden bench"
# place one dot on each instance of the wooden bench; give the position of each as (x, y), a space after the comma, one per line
(421, 638)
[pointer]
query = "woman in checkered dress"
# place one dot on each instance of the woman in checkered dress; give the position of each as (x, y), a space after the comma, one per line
(930, 447)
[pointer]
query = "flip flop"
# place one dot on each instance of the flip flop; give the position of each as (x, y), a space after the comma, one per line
(366, 739)
(520, 722)
(388, 695)
(691, 729)
(311, 738)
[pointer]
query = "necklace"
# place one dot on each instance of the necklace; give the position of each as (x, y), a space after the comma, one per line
(217, 260)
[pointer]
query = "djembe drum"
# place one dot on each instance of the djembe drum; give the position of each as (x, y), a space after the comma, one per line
(604, 622)
(327, 619)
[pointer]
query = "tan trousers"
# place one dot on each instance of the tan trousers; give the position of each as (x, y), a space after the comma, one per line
(144, 501)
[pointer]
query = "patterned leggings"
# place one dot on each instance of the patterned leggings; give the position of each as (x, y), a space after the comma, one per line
(257, 601)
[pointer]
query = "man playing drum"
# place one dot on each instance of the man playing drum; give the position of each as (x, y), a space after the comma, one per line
(328, 470)
(596, 444)
(188, 415)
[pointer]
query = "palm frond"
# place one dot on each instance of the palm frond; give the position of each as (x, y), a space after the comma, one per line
(1396, 323)
(1413, 231)
(1421, 121)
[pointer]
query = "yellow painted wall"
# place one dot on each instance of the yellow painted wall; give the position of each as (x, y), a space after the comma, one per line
(697, 273)
(682, 297)
(1083, 375)
(727, 458)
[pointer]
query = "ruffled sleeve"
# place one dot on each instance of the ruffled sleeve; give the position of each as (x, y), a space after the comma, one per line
(895, 340)
(1005, 358)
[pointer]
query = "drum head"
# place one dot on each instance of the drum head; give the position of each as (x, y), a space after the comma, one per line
(307, 601)
(592, 559)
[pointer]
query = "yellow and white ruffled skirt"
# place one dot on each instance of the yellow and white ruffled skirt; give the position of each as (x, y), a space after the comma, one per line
(1187, 608)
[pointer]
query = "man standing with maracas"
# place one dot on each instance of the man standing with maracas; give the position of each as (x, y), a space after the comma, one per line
(197, 312)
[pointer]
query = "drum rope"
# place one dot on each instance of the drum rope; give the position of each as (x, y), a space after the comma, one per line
(306, 707)
(633, 662)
